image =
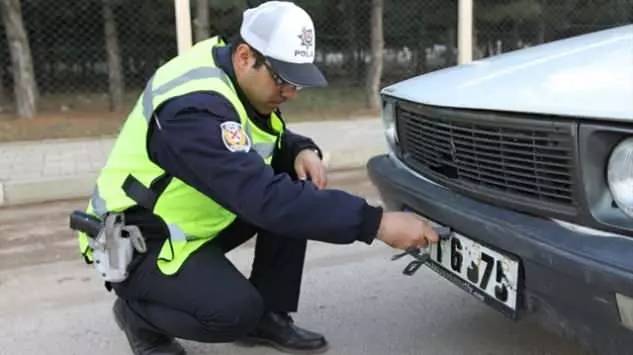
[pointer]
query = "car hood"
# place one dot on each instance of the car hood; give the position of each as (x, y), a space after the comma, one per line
(586, 76)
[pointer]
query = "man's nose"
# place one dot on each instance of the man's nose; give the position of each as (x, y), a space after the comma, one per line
(289, 92)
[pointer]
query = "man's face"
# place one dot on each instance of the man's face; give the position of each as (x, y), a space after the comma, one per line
(258, 84)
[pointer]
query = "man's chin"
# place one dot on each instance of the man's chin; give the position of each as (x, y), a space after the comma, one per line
(265, 111)
(268, 107)
(272, 106)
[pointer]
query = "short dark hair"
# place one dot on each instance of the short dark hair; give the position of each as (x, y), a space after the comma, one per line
(259, 58)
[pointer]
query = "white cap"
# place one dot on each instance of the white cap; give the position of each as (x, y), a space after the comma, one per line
(284, 33)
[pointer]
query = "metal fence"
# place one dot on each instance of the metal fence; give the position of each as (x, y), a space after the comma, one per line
(69, 45)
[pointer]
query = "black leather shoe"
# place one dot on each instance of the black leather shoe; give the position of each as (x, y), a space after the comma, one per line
(143, 341)
(278, 330)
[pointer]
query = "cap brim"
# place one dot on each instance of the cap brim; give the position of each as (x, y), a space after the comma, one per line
(300, 74)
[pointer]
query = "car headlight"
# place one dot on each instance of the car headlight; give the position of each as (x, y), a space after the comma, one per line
(389, 121)
(620, 175)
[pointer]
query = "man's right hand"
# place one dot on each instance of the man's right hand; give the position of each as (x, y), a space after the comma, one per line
(404, 230)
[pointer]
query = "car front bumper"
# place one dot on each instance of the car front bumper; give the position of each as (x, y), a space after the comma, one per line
(569, 279)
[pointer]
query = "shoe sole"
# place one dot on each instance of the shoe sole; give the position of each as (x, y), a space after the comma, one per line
(252, 341)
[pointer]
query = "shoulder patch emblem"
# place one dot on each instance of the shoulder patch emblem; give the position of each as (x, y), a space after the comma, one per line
(234, 137)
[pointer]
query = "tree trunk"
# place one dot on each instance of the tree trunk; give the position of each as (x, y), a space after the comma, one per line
(516, 38)
(116, 84)
(201, 22)
(541, 24)
(150, 23)
(3, 98)
(626, 12)
(420, 43)
(25, 87)
(374, 73)
(540, 30)
(450, 57)
(419, 59)
(350, 62)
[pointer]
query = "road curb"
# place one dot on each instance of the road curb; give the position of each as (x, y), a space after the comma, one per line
(43, 190)
(13, 193)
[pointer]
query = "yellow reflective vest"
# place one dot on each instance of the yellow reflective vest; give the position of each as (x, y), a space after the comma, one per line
(192, 218)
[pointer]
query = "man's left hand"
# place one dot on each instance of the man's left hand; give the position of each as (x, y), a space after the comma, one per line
(309, 165)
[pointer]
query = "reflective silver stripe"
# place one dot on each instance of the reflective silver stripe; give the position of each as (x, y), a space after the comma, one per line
(247, 128)
(98, 203)
(148, 98)
(176, 234)
(193, 74)
(265, 150)
(99, 207)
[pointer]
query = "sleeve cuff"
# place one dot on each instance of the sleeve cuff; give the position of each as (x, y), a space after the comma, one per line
(306, 145)
(371, 221)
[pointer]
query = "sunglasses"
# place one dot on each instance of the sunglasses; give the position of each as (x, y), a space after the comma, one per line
(278, 79)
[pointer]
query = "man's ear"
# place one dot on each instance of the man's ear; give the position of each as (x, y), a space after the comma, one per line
(242, 56)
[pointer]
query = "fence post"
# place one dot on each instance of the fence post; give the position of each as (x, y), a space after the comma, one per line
(465, 32)
(183, 24)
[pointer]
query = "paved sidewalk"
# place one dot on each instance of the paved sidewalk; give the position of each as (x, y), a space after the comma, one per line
(60, 169)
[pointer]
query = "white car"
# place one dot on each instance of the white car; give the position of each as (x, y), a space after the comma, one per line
(527, 159)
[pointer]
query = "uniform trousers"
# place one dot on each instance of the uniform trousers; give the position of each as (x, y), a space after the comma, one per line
(209, 300)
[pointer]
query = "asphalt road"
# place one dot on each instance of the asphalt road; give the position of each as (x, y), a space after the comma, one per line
(51, 303)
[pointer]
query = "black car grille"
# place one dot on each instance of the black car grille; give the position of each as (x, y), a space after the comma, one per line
(501, 156)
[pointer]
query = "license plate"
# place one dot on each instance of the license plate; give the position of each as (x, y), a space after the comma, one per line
(487, 274)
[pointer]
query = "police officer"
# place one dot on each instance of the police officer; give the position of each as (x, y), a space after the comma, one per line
(203, 163)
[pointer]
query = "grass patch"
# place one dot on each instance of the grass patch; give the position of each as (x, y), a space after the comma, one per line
(332, 103)
(81, 115)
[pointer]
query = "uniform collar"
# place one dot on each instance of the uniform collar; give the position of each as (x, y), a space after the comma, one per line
(222, 58)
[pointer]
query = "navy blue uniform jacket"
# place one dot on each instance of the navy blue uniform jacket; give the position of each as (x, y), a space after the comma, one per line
(187, 143)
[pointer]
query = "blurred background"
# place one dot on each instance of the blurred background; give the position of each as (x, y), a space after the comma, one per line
(90, 59)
